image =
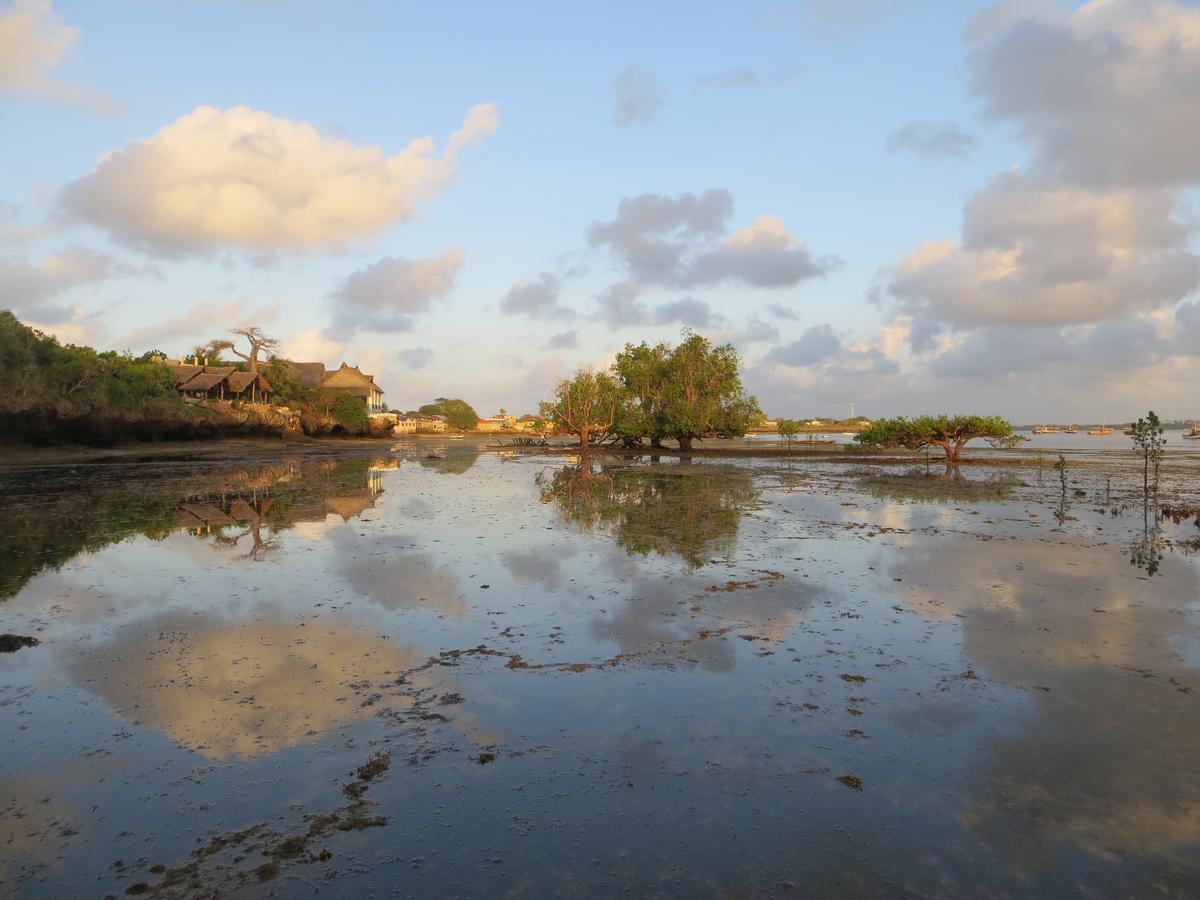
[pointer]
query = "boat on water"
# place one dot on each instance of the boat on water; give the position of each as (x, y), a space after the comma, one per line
(1100, 431)
(1046, 429)
(1128, 431)
(1193, 433)
(1070, 429)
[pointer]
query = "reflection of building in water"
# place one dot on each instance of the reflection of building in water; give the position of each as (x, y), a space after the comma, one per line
(289, 498)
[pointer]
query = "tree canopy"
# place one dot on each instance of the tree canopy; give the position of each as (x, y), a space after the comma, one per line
(586, 404)
(459, 413)
(951, 433)
(690, 391)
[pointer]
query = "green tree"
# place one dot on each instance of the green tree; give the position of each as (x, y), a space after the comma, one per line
(788, 429)
(283, 380)
(1148, 442)
(459, 414)
(642, 373)
(350, 412)
(951, 433)
(702, 392)
(587, 404)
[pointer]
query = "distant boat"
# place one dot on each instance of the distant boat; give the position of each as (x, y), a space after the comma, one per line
(1046, 429)
(1100, 431)
(1071, 429)
(1192, 433)
(1128, 431)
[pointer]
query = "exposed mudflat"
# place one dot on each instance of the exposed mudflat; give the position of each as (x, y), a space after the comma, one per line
(431, 670)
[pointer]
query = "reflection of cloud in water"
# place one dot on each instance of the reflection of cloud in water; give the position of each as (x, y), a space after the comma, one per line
(390, 573)
(540, 565)
(242, 689)
(1107, 755)
(658, 611)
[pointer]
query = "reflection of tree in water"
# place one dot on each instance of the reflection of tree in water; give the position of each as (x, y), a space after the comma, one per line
(689, 511)
(48, 523)
(448, 460)
(948, 486)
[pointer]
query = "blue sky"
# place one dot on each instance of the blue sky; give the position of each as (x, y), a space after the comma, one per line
(867, 131)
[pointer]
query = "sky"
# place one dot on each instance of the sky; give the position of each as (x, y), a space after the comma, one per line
(906, 205)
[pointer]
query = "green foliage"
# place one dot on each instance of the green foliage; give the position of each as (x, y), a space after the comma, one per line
(350, 412)
(641, 372)
(39, 373)
(588, 404)
(459, 413)
(788, 429)
(690, 391)
(283, 380)
(951, 433)
(1149, 442)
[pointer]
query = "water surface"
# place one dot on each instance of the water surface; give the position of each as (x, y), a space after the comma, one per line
(433, 672)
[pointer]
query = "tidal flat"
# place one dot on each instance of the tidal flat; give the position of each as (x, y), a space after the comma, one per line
(433, 670)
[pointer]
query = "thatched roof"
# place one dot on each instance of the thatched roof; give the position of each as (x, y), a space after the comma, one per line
(239, 381)
(185, 373)
(309, 374)
(205, 381)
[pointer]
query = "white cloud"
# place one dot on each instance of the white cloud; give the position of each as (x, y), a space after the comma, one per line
(537, 299)
(564, 340)
(1108, 94)
(312, 345)
(1051, 256)
(416, 357)
(925, 139)
(34, 39)
(29, 290)
(199, 324)
(244, 178)
(674, 241)
(390, 294)
(1108, 97)
(636, 97)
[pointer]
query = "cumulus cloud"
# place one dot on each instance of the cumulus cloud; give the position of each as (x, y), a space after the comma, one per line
(34, 39)
(312, 345)
(30, 290)
(244, 178)
(758, 331)
(199, 323)
(390, 294)
(564, 340)
(621, 305)
(676, 241)
(536, 298)
(1052, 256)
(779, 311)
(416, 358)
(636, 97)
(816, 345)
(925, 139)
(1106, 95)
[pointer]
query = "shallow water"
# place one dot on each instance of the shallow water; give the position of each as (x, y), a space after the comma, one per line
(435, 672)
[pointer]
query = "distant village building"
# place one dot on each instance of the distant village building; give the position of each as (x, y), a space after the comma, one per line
(490, 425)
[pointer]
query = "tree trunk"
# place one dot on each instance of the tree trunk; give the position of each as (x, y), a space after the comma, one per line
(951, 453)
(583, 440)
(685, 443)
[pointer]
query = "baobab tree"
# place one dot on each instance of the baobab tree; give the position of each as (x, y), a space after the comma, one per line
(257, 340)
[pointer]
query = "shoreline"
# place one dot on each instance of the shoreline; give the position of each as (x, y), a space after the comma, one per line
(20, 455)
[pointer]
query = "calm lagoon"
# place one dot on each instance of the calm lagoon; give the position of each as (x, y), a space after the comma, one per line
(434, 671)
